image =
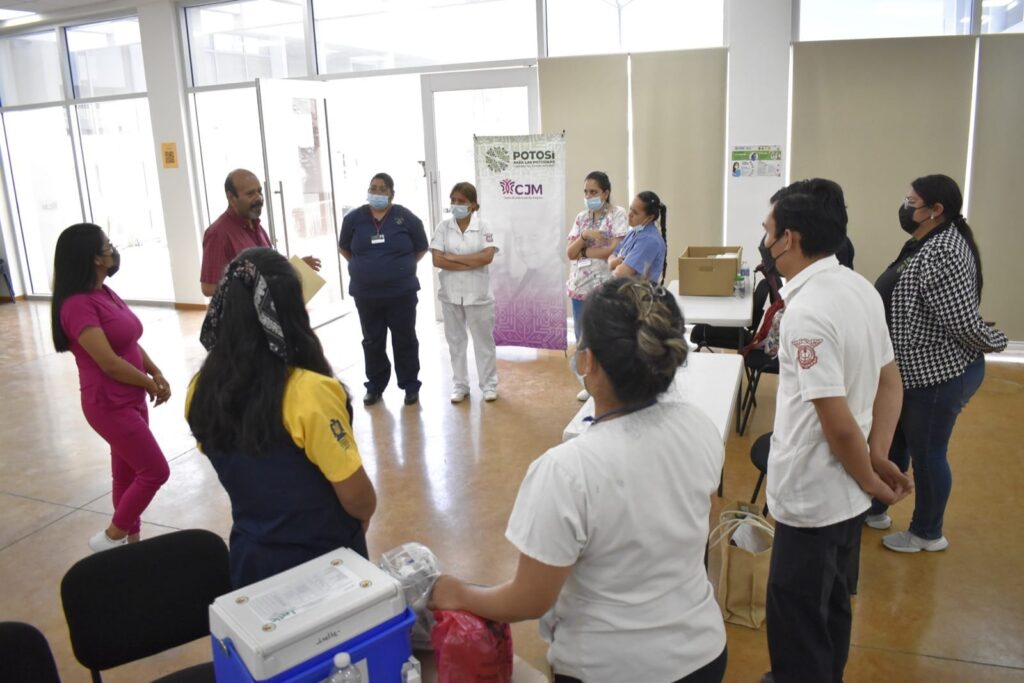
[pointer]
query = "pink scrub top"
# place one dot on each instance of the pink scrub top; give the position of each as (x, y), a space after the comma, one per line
(104, 309)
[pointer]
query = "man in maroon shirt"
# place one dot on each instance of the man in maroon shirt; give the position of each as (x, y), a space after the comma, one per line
(236, 229)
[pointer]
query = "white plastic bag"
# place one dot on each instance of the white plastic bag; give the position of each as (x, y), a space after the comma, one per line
(416, 567)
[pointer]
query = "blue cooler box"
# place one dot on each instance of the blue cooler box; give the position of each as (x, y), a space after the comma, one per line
(287, 629)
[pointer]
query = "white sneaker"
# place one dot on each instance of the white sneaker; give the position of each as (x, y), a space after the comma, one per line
(879, 521)
(100, 542)
(490, 395)
(583, 395)
(459, 395)
(906, 542)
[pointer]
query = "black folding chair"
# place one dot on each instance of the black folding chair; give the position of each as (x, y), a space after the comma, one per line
(759, 457)
(140, 599)
(25, 654)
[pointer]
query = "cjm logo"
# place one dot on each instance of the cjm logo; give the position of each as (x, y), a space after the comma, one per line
(511, 187)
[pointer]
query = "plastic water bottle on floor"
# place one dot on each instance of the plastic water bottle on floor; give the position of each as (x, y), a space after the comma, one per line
(344, 670)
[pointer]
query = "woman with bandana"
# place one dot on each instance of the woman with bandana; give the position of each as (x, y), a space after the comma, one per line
(610, 534)
(276, 425)
(115, 373)
(932, 295)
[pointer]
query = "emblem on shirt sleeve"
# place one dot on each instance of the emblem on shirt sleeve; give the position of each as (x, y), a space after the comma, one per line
(337, 430)
(805, 354)
(488, 237)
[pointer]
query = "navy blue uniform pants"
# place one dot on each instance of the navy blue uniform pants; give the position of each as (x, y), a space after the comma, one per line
(377, 317)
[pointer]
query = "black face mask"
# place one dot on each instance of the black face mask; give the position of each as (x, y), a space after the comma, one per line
(767, 260)
(907, 221)
(116, 257)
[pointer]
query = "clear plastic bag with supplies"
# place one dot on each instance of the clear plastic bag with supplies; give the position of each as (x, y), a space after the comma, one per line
(416, 567)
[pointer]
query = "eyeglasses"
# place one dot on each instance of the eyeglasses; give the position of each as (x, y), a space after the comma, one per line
(381, 189)
(108, 250)
(908, 203)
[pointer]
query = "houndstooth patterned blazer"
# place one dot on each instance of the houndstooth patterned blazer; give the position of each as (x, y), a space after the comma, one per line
(937, 330)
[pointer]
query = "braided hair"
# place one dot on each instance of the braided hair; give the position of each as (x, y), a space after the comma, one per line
(636, 331)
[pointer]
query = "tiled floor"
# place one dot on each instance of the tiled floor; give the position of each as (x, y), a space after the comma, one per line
(447, 475)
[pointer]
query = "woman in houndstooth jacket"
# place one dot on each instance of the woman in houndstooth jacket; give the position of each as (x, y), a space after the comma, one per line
(932, 294)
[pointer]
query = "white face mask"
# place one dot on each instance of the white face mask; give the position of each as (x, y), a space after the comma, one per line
(593, 203)
(460, 211)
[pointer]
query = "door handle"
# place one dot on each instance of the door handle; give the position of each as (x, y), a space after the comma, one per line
(284, 216)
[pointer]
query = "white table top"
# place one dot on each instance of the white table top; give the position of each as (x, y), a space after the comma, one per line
(723, 311)
(708, 380)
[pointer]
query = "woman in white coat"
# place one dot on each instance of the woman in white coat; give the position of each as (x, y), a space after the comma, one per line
(463, 247)
(611, 526)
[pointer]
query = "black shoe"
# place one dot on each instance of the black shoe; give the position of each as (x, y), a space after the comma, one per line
(371, 398)
(768, 678)
(412, 398)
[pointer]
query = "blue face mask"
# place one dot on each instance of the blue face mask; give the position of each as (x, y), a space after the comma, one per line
(460, 210)
(593, 203)
(377, 201)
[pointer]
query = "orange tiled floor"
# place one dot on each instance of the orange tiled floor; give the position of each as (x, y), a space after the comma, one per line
(447, 475)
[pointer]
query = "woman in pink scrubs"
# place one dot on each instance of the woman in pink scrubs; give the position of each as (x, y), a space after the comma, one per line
(114, 373)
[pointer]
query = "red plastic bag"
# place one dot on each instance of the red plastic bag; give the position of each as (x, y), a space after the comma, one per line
(470, 649)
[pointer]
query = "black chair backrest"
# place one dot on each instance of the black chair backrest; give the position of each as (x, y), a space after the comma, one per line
(25, 654)
(142, 598)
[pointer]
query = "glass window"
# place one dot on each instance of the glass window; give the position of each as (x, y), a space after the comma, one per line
(120, 169)
(228, 125)
(42, 167)
(385, 137)
(106, 58)
(378, 34)
(234, 42)
(850, 19)
(587, 27)
(30, 69)
(1002, 16)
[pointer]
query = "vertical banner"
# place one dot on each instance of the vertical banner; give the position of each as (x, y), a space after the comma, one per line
(520, 183)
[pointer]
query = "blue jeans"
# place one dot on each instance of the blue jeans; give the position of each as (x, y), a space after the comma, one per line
(922, 437)
(577, 317)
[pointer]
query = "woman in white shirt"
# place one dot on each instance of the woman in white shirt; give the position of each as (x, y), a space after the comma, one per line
(462, 247)
(611, 526)
(595, 233)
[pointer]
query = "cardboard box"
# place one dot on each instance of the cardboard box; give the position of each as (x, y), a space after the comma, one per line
(702, 271)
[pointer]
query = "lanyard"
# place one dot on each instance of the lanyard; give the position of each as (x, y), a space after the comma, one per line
(624, 410)
(379, 225)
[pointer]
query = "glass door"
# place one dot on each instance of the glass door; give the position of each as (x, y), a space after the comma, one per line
(297, 183)
(461, 105)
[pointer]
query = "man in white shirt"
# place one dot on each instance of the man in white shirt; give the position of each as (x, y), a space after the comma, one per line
(837, 406)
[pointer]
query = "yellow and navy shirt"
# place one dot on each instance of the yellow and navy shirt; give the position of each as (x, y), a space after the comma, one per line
(284, 507)
(315, 415)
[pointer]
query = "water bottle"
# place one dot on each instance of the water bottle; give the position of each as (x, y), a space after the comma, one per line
(745, 272)
(344, 670)
(737, 286)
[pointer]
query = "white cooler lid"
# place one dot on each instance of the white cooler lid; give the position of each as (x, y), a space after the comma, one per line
(335, 588)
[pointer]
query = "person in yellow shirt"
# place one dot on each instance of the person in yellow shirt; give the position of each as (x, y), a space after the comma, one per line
(276, 425)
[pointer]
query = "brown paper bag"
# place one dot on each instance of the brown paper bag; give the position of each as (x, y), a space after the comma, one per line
(743, 575)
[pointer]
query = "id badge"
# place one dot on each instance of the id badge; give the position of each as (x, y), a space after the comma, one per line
(583, 262)
(377, 239)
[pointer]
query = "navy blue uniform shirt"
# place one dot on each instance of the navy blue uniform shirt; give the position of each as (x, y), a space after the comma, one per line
(388, 269)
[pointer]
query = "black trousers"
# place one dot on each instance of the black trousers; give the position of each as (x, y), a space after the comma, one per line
(712, 672)
(376, 317)
(808, 605)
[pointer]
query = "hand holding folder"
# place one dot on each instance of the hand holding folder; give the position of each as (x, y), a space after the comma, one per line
(311, 280)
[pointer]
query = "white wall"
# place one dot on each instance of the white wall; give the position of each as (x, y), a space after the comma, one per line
(165, 84)
(758, 35)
